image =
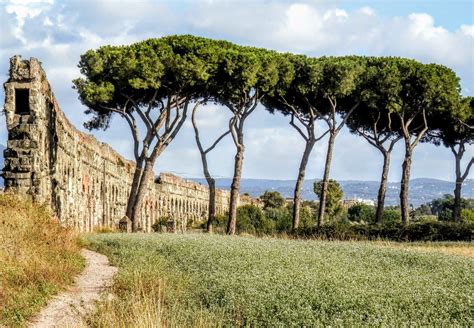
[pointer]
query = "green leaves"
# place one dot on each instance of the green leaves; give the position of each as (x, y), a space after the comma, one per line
(228, 73)
(93, 93)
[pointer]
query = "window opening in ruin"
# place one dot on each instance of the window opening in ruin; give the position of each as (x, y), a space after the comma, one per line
(22, 101)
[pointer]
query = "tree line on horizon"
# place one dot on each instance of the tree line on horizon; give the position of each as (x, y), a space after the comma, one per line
(154, 84)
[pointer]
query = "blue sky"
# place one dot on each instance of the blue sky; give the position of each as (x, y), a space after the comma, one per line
(58, 32)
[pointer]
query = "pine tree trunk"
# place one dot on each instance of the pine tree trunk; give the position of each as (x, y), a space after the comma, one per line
(141, 192)
(234, 191)
(404, 186)
(382, 188)
(212, 192)
(212, 203)
(299, 183)
(324, 187)
(137, 174)
(457, 189)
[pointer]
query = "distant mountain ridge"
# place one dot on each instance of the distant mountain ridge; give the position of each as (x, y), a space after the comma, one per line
(422, 190)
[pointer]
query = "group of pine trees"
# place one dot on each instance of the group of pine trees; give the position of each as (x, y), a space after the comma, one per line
(156, 83)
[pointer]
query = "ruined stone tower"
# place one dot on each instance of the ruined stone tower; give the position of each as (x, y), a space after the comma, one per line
(27, 125)
(85, 182)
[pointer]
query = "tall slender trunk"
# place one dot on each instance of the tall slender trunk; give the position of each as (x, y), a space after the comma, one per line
(324, 187)
(457, 201)
(299, 183)
(404, 186)
(210, 181)
(382, 188)
(460, 177)
(212, 204)
(137, 174)
(141, 192)
(235, 189)
(457, 188)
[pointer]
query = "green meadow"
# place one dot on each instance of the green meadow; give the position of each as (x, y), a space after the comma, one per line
(211, 280)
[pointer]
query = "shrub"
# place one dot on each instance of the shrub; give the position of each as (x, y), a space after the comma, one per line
(361, 213)
(220, 221)
(467, 215)
(424, 231)
(251, 219)
(425, 218)
(159, 225)
(272, 199)
(334, 195)
(445, 215)
(282, 217)
(392, 216)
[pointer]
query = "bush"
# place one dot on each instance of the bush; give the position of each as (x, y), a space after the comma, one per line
(392, 216)
(425, 218)
(445, 215)
(467, 215)
(361, 213)
(423, 231)
(251, 219)
(161, 224)
(282, 217)
(220, 222)
(272, 199)
(334, 195)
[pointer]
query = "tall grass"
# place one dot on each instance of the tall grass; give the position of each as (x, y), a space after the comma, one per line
(207, 281)
(37, 258)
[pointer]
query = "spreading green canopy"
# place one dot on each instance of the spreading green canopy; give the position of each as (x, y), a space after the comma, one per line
(144, 74)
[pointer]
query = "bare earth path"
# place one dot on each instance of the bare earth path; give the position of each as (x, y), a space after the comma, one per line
(68, 308)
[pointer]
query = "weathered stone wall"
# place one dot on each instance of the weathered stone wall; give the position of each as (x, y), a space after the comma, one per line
(85, 182)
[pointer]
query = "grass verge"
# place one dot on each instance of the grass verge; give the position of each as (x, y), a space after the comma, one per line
(37, 259)
(213, 281)
(451, 248)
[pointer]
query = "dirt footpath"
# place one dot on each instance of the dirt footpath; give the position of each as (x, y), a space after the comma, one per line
(68, 308)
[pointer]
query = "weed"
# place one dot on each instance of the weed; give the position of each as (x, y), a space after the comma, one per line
(37, 259)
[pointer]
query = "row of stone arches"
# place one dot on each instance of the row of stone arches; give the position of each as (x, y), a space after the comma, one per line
(92, 197)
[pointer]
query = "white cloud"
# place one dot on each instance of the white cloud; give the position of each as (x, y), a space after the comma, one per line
(422, 26)
(47, 22)
(367, 11)
(467, 30)
(335, 14)
(24, 10)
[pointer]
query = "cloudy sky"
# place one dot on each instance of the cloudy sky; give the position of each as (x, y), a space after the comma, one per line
(58, 32)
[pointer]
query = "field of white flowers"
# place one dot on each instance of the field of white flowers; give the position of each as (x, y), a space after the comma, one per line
(205, 280)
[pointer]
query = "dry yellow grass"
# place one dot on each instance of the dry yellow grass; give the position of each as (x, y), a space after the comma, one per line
(465, 249)
(37, 259)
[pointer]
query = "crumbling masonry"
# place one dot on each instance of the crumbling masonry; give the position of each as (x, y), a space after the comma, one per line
(85, 182)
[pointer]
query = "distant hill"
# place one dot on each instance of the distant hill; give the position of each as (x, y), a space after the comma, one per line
(2, 147)
(421, 190)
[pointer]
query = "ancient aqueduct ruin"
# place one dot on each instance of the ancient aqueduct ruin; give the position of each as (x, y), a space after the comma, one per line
(84, 181)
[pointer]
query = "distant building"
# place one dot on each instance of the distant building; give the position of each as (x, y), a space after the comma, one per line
(351, 202)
